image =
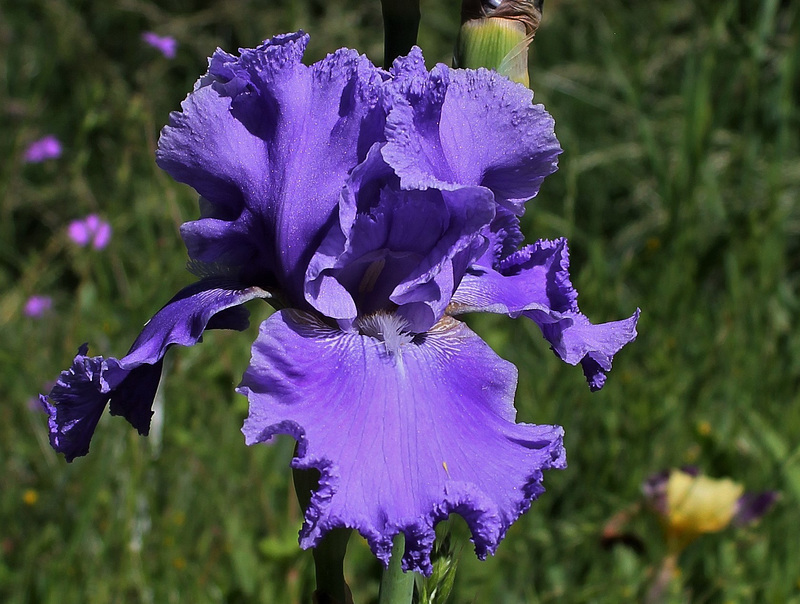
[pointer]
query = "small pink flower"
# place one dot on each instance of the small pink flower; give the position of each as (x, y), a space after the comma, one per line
(90, 230)
(48, 147)
(166, 44)
(37, 306)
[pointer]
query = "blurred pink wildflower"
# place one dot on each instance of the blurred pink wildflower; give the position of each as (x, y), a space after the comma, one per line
(166, 44)
(90, 230)
(47, 147)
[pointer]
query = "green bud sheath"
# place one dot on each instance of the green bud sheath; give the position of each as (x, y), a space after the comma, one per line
(496, 34)
(495, 43)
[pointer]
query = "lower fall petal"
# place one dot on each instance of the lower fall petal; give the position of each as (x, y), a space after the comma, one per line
(402, 433)
(82, 392)
(535, 282)
(77, 401)
(576, 340)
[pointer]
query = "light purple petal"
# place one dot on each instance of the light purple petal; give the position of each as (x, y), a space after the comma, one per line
(403, 432)
(102, 235)
(78, 232)
(47, 147)
(593, 346)
(454, 127)
(167, 45)
(268, 142)
(535, 282)
(37, 306)
(410, 248)
(91, 229)
(78, 399)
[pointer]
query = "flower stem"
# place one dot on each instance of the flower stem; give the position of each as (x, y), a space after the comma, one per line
(666, 584)
(400, 27)
(329, 567)
(329, 553)
(397, 587)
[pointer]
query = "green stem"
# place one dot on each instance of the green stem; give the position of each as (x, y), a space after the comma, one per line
(400, 27)
(397, 587)
(329, 554)
(329, 567)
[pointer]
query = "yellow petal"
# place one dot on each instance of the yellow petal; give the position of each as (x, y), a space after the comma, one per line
(698, 504)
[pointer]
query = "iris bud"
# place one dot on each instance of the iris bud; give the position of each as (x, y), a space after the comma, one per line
(496, 34)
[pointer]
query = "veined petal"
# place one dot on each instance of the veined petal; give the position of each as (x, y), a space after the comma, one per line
(455, 127)
(535, 282)
(81, 394)
(403, 432)
(268, 142)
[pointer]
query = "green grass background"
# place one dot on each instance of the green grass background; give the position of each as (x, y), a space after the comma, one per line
(678, 189)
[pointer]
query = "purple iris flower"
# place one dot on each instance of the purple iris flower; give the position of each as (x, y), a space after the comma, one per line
(167, 45)
(370, 208)
(47, 147)
(90, 230)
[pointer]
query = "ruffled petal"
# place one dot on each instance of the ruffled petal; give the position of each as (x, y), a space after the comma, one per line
(535, 282)
(454, 127)
(504, 236)
(81, 394)
(577, 340)
(402, 432)
(77, 401)
(268, 142)
(410, 249)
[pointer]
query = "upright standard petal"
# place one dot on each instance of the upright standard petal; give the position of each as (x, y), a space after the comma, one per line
(404, 430)
(268, 142)
(81, 394)
(393, 247)
(534, 282)
(458, 127)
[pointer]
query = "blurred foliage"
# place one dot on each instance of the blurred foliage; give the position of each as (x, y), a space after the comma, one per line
(678, 189)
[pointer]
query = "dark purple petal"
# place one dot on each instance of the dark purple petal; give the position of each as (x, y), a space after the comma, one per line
(408, 249)
(535, 282)
(268, 142)
(448, 128)
(78, 399)
(752, 506)
(654, 490)
(404, 429)
(504, 236)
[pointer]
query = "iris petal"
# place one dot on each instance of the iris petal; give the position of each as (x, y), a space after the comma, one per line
(402, 436)
(268, 142)
(81, 394)
(409, 248)
(459, 127)
(535, 282)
